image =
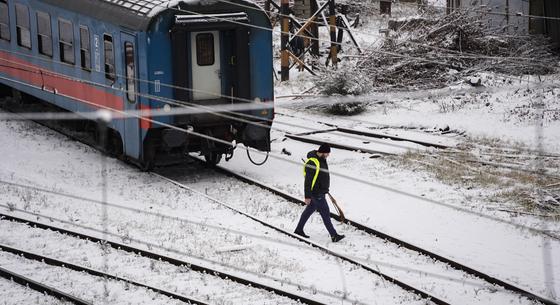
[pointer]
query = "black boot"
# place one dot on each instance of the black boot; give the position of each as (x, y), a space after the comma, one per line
(301, 233)
(337, 238)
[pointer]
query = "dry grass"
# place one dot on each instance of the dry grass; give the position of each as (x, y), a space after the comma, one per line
(505, 176)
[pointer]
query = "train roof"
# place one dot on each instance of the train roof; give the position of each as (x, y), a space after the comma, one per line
(132, 14)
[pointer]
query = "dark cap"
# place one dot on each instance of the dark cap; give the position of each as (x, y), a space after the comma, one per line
(324, 148)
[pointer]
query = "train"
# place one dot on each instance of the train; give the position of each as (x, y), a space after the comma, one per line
(147, 57)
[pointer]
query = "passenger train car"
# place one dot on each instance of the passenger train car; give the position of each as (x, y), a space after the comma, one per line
(144, 56)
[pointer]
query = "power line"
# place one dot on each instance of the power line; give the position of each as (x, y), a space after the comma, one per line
(151, 245)
(246, 234)
(372, 34)
(335, 43)
(207, 109)
(297, 163)
(345, 176)
(251, 106)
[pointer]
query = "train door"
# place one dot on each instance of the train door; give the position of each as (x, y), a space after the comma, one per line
(132, 136)
(206, 65)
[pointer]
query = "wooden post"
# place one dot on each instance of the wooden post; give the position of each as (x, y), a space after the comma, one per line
(315, 30)
(385, 7)
(284, 38)
(267, 7)
(332, 26)
(507, 16)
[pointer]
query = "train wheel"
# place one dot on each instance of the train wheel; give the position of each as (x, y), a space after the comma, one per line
(115, 145)
(17, 96)
(148, 165)
(213, 158)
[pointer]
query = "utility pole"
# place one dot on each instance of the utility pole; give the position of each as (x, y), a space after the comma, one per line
(315, 30)
(332, 27)
(285, 37)
(507, 15)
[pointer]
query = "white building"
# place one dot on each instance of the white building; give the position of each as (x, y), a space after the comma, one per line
(516, 16)
(505, 16)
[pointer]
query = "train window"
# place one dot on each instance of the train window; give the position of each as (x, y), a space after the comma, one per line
(109, 57)
(205, 49)
(4, 21)
(22, 26)
(66, 41)
(85, 48)
(130, 72)
(44, 33)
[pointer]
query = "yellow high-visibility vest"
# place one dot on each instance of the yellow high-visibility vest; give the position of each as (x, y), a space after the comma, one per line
(317, 169)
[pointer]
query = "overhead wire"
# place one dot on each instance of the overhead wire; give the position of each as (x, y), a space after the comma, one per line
(373, 50)
(151, 245)
(214, 110)
(373, 34)
(162, 112)
(345, 176)
(210, 109)
(219, 228)
(342, 175)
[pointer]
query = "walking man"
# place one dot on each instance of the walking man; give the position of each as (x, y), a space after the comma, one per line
(316, 186)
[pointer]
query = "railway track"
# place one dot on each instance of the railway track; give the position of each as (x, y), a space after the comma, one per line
(90, 142)
(145, 253)
(385, 144)
(368, 230)
(41, 287)
(361, 227)
(376, 134)
(343, 257)
(59, 263)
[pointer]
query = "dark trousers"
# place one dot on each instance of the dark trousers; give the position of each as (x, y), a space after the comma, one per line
(320, 204)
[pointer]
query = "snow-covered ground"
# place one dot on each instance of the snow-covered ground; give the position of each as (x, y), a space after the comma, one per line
(391, 196)
(505, 113)
(45, 159)
(13, 293)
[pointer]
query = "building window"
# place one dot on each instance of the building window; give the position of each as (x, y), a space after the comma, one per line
(66, 41)
(44, 34)
(205, 49)
(22, 25)
(85, 48)
(4, 21)
(109, 57)
(130, 72)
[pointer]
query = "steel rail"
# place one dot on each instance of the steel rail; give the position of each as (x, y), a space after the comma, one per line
(355, 224)
(337, 145)
(371, 269)
(457, 265)
(392, 137)
(40, 287)
(58, 263)
(163, 258)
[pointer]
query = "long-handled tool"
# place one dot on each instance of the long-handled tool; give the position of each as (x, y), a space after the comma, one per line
(337, 207)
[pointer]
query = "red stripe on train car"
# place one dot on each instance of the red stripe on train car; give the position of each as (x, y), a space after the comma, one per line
(35, 75)
(144, 123)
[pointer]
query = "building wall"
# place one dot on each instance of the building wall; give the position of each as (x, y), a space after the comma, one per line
(552, 27)
(500, 15)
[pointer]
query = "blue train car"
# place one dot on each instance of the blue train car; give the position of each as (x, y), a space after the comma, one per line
(147, 56)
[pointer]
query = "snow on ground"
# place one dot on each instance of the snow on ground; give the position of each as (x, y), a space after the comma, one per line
(416, 270)
(496, 248)
(133, 267)
(13, 293)
(86, 287)
(47, 160)
(504, 110)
